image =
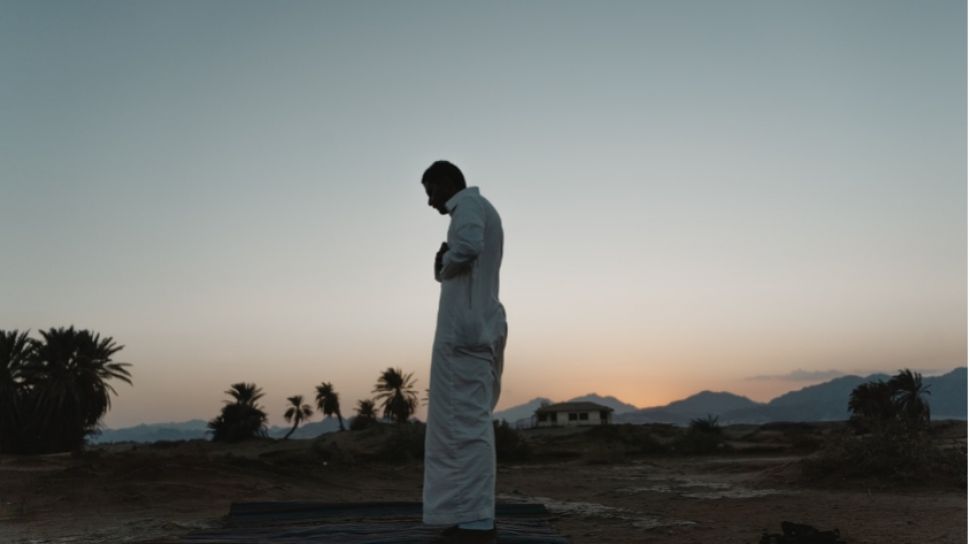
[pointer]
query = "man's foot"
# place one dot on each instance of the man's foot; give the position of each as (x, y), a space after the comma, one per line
(457, 535)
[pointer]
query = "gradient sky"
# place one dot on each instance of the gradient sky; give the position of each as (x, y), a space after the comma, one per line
(749, 196)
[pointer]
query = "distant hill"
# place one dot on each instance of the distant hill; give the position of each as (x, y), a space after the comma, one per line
(196, 428)
(681, 412)
(618, 406)
(829, 401)
(520, 412)
(309, 430)
(153, 432)
(707, 402)
(948, 394)
(826, 401)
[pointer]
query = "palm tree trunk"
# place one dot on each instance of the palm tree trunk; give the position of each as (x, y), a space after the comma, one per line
(295, 423)
(340, 420)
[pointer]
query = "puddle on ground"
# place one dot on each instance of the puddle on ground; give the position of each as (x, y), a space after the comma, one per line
(736, 493)
(691, 487)
(708, 490)
(655, 523)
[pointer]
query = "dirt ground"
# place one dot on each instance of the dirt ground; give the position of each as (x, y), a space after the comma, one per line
(155, 493)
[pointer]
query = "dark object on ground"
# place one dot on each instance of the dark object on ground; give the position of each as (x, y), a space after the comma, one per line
(457, 535)
(363, 523)
(797, 533)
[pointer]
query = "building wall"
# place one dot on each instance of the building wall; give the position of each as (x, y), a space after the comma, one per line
(563, 419)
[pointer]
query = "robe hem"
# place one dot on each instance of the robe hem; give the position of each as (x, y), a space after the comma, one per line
(460, 517)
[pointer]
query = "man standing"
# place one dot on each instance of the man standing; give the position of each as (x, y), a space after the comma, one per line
(466, 362)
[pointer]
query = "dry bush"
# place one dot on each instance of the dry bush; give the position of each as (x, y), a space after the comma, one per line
(510, 444)
(605, 453)
(634, 439)
(703, 436)
(894, 453)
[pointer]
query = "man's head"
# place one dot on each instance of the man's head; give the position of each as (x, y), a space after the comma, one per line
(442, 180)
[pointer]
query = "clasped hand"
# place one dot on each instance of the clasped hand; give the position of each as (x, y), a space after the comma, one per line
(438, 258)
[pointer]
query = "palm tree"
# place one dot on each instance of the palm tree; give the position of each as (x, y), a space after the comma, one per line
(241, 418)
(297, 412)
(908, 391)
(396, 392)
(871, 405)
(245, 393)
(69, 374)
(366, 415)
(365, 409)
(16, 350)
(329, 402)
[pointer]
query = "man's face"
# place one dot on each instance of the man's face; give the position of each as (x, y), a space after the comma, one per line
(437, 196)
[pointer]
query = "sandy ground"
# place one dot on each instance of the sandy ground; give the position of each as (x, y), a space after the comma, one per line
(157, 493)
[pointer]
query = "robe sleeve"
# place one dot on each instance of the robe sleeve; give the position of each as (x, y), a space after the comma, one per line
(468, 239)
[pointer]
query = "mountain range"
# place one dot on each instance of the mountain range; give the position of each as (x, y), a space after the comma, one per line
(196, 428)
(826, 401)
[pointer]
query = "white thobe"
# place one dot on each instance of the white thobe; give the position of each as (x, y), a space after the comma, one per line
(466, 367)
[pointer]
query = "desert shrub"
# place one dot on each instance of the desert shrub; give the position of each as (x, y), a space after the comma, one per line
(801, 436)
(634, 438)
(895, 452)
(327, 451)
(605, 453)
(702, 436)
(167, 444)
(509, 443)
(360, 423)
(296, 462)
(787, 426)
(889, 438)
(404, 442)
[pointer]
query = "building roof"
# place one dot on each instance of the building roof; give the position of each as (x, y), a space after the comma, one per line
(573, 407)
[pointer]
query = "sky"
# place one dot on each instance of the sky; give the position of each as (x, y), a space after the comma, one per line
(746, 196)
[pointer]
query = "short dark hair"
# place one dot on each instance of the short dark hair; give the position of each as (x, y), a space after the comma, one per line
(443, 171)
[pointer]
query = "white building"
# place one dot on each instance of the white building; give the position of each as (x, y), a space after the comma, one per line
(573, 413)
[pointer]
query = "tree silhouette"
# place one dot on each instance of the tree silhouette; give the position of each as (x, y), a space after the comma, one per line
(871, 404)
(245, 393)
(893, 420)
(16, 351)
(297, 412)
(395, 390)
(908, 391)
(241, 418)
(68, 382)
(366, 415)
(872, 400)
(706, 425)
(900, 400)
(365, 409)
(328, 401)
(54, 391)
(704, 435)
